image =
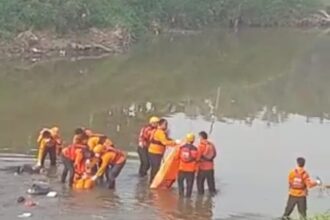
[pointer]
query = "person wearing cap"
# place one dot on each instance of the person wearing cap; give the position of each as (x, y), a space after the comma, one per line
(299, 183)
(188, 157)
(144, 141)
(47, 146)
(112, 162)
(49, 142)
(158, 143)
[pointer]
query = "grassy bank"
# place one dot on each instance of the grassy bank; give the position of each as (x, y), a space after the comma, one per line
(321, 217)
(138, 15)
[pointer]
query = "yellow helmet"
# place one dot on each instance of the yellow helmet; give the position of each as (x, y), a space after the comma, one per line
(154, 119)
(190, 137)
(98, 149)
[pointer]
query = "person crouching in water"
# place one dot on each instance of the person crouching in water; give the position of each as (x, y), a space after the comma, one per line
(47, 145)
(158, 143)
(206, 166)
(188, 156)
(112, 162)
(299, 183)
(144, 141)
(70, 155)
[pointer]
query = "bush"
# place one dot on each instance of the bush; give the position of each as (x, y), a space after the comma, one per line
(135, 15)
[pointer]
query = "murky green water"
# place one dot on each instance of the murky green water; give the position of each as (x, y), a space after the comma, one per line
(263, 95)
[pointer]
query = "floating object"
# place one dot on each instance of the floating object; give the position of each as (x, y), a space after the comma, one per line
(30, 203)
(38, 190)
(20, 199)
(52, 194)
(167, 173)
(84, 184)
(25, 215)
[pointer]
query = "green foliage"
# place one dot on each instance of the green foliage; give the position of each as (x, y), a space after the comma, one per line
(63, 15)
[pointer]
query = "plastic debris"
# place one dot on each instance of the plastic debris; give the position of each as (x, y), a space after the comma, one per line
(52, 194)
(20, 199)
(25, 215)
(38, 190)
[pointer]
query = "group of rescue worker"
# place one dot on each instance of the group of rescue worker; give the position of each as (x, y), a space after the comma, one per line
(93, 156)
(90, 157)
(154, 139)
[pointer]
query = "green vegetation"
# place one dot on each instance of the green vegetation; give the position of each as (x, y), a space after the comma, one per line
(321, 217)
(135, 15)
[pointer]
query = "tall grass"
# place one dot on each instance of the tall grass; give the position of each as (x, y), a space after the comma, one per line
(135, 15)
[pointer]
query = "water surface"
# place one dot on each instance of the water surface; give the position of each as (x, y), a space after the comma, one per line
(262, 94)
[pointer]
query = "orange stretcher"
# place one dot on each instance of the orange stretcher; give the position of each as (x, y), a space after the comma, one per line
(167, 173)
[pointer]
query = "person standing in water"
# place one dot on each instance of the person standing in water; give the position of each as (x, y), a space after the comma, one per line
(206, 165)
(299, 183)
(47, 145)
(144, 141)
(188, 157)
(158, 143)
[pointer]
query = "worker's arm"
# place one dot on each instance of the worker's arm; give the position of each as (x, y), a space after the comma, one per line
(309, 182)
(105, 163)
(165, 140)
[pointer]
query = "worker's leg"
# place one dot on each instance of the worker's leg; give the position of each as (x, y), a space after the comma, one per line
(155, 162)
(190, 177)
(210, 181)
(291, 203)
(181, 178)
(52, 155)
(44, 154)
(302, 207)
(114, 171)
(144, 161)
(201, 176)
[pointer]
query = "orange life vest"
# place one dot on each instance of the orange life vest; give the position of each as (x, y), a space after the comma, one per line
(119, 155)
(298, 181)
(145, 135)
(188, 153)
(70, 152)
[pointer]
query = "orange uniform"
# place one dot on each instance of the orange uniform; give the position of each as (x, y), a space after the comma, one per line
(72, 150)
(300, 182)
(188, 156)
(159, 141)
(208, 153)
(110, 157)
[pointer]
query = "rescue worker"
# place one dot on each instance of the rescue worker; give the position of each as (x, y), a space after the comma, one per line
(83, 169)
(55, 134)
(47, 145)
(55, 131)
(188, 157)
(206, 166)
(112, 162)
(299, 183)
(144, 141)
(70, 155)
(158, 143)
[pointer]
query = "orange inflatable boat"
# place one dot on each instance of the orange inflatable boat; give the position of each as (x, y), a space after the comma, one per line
(167, 173)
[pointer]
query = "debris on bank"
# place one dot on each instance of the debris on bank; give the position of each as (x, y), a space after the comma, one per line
(39, 45)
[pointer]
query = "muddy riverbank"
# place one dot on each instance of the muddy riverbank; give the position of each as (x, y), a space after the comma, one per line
(40, 45)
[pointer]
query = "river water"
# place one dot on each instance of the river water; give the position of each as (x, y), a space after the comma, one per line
(263, 95)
